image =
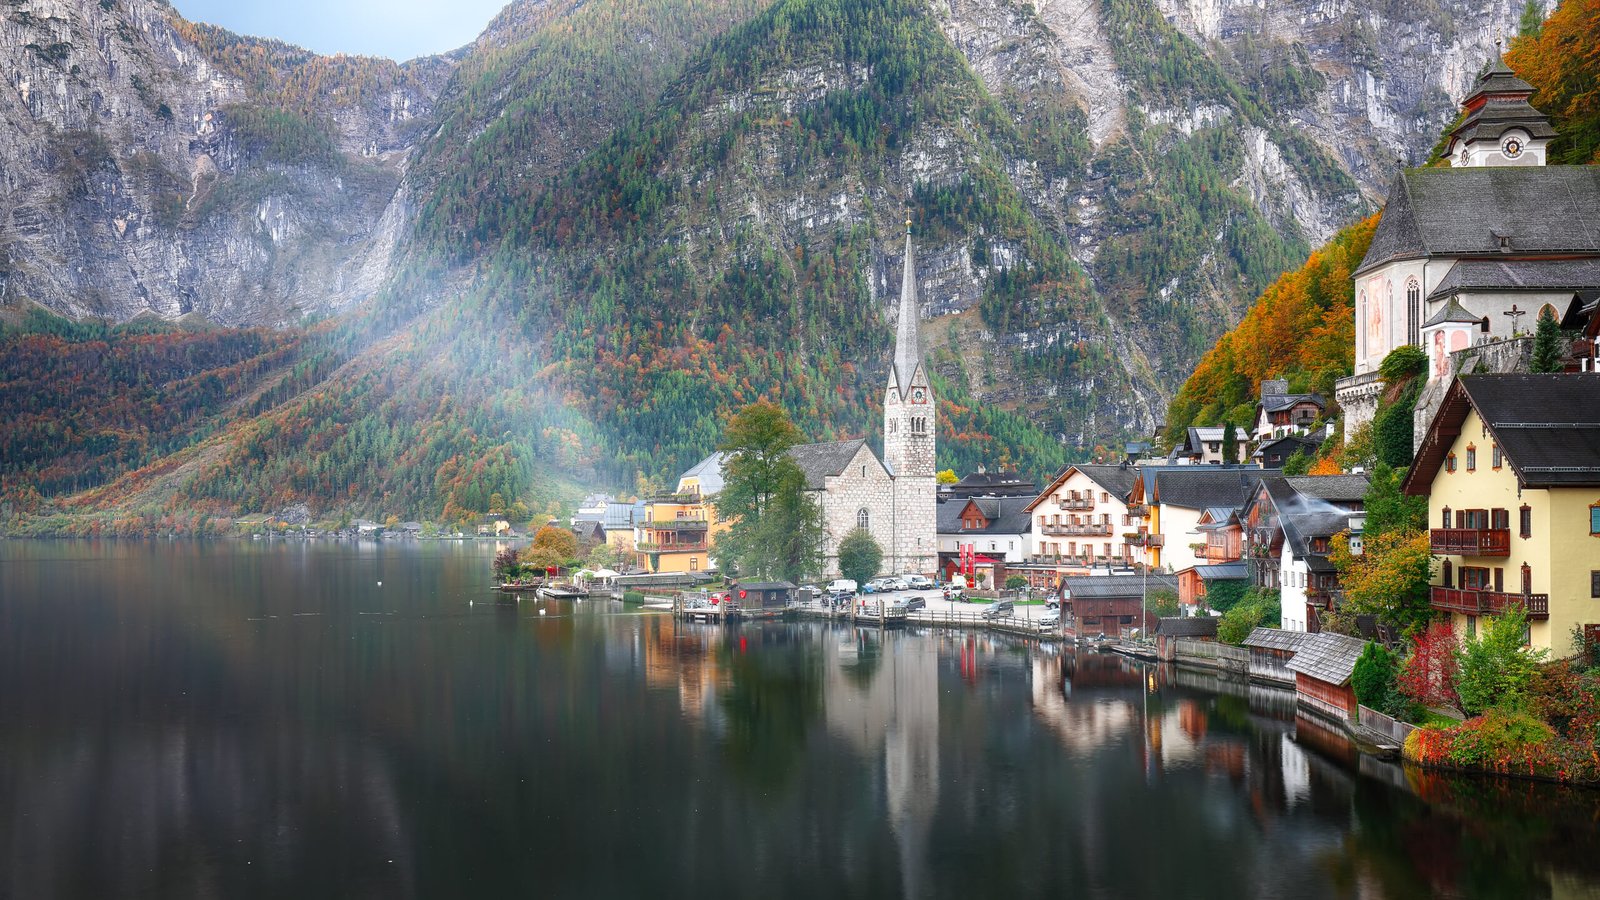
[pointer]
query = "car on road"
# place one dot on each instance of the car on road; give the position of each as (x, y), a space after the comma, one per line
(918, 583)
(913, 604)
(999, 609)
(1050, 620)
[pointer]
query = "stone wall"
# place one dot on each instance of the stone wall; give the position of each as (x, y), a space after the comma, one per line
(1357, 396)
(1493, 357)
(864, 484)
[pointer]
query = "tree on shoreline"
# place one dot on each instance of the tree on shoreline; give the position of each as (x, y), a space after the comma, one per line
(859, 556)
(774, 523)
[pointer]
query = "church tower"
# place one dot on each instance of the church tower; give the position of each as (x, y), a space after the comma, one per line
(1500, 127)
(908, 438)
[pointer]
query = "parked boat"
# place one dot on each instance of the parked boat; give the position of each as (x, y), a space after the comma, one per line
(561, 590)
(519, 587)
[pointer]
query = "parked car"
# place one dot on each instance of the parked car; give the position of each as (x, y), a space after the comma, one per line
(841, 586)
(1050, 620)
(919, 583)
(913, 603)
(1052, 603)
(999, 609)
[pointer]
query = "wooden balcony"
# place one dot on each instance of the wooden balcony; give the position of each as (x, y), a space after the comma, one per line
(1487, 603)
(1094, 528)
(651, 547)
(1470, 541)
(1142, 539)
(1070, 503)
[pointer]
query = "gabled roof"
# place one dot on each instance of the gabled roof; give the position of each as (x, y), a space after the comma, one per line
(1187, 626)
(1117, 480)
(1264, 638)
(1327, 657)
(1197, 487)
(1546, 275)
(1214, 517)
(1300, 527)
(818, 461)
(1452, 312)
(1280, 402)
(1114, 587)
(1006, 515)
(1332, 488)
(620, 515)
(1463, 212)
(1497, 104)
(1309, 444)
(1548, 427)
(709, 472)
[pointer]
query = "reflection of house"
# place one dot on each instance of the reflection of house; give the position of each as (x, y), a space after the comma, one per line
(997, 527)
(1322, 666)
(1458, 247)
(1511, 469)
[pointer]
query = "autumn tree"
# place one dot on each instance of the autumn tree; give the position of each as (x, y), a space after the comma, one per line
(946, 476)
(1428, 674)
(552, 547)
(1388, 579)
(774, 522)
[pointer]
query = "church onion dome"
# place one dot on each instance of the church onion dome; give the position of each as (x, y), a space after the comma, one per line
(1497, 105)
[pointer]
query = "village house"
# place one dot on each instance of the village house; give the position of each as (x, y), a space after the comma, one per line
(1322, 665)
(1469, 254)
(675, 535)
(997, 527)
(1083, 519)
(989, 484)
(1203, 445)
(1111, 604)
(1222, 558)
(1280, 413)
(1290, 522)
(1274, 453)
(1176, 497)
(1511, 470)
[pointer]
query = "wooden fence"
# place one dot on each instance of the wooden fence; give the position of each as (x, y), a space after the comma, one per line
(1386, 727)
(1210, 653)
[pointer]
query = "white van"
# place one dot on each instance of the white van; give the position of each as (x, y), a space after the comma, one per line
(841, 586)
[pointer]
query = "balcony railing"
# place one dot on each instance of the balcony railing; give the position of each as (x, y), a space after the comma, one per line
(1470, 541)
(1101, 528)
(1145, 540)
(1138, 509)
(1487, 603)
(647, 547)
(677, 524)
(1070, 503)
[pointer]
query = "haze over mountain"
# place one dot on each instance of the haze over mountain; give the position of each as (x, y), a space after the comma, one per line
(576, 243)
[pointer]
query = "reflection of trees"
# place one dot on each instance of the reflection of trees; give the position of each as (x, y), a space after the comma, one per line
(771, 701)
(869, 659)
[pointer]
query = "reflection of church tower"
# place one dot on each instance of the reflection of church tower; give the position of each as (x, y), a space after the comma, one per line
(908, 437)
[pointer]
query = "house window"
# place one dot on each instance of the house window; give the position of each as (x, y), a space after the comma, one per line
(1472, 458)
(1500, 519)
(1594, 519)
(1496, 458)
(694, 563)
(1446, 521)
(1527, 579)
(1446, 574)
(863, 518)
(1105, 497)
(1594, 584)
(1474, 578)
(1525, 520)
(1450, 463)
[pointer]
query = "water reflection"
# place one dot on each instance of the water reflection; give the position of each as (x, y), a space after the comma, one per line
(247, 720)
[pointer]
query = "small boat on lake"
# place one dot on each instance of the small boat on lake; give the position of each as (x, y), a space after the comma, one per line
(519, 587)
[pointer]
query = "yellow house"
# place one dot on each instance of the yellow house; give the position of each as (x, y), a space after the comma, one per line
(677, 531)
(1511, 469)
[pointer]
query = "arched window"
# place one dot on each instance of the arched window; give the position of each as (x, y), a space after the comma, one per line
(863, 518)
(1413, 311)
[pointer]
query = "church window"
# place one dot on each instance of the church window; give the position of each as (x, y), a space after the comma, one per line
(863, 518)
(1413, 311)
(863, 471)
(892, 424)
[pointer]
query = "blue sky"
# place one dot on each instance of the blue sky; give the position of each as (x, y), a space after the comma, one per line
(400, 29)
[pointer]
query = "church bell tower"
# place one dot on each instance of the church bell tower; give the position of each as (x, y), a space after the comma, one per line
(908, 437)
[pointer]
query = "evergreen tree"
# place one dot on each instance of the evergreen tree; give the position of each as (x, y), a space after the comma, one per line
(1298, 463)
(1547, 355)
(1532, 21)
(1230, 443)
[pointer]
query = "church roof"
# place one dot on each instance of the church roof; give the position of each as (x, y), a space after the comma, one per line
(1452, 312)
(907, 352)
(1497, 104)
(1467, 211)
(818, 461)
(1519, 275)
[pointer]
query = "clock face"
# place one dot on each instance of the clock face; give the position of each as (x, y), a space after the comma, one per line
(917, 394)
(1511, 147)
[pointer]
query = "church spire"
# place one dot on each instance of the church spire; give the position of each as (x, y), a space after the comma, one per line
(907, 352)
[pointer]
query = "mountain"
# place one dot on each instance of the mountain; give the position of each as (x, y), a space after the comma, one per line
(571, 247)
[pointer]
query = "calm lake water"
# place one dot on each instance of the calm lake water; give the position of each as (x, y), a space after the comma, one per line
(245, 719)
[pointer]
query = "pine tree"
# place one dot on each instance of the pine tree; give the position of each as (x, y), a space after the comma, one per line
(1547, 355)
(1230, 443)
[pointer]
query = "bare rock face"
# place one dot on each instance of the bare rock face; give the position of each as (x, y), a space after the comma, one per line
(147, 168)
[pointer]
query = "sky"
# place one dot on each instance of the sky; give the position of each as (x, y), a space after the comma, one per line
(399, 29)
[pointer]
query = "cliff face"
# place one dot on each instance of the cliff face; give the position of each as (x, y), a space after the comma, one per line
(152, 165)
(678, 207)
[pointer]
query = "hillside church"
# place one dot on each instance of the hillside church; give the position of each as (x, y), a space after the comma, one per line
(895, 497)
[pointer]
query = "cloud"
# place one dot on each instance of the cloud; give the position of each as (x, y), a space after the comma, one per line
(400, 29)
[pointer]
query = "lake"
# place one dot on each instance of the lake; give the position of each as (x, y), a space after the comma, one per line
(267, 719)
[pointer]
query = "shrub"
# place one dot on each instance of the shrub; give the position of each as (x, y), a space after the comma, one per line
(1496, 739)
(1429, 673)
(1374, 678)
(632, 597)
(1496, 668)
(1257, 608)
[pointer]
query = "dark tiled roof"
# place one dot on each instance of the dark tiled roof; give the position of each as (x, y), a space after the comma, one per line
(767, 585)
(818, 461)
(1452, 312)
(1104, 587)
(1280, 402)
(1519, 275)
(1117, 480)
(1332, 488)
(1187, 626)
(1006, 515)
(1462, 212)
(1230, 571)
(1197, 487)
(1327, 657)
(1265, 638)
(1290, 443)
(1548, 425)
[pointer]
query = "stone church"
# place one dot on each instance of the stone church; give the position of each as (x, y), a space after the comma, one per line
(1467, 254)
(895, 497)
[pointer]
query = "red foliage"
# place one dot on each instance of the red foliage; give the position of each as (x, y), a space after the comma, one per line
(1429, 673)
